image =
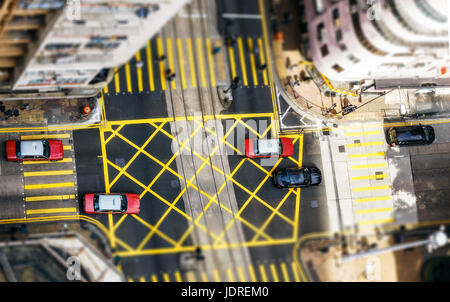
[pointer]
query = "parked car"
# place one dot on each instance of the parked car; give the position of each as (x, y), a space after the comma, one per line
(34, 150)
(114, 203)
(297, 177)
(410, 135)
(257, 148)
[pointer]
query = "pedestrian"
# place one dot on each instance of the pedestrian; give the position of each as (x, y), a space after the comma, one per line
(262, 67)
(216, 50)
(235, 82)
(139, 64)
(255, 49)
(297, 83)
(170, 75)
(230, 41)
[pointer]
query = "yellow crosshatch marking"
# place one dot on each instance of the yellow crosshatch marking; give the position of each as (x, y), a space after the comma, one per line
(155, 229)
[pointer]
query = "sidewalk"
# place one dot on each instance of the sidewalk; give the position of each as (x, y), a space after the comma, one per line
(309, 89)
(48, 113)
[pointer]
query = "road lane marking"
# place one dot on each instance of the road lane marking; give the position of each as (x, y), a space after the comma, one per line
(273, 270)
(49, 197)
(68, 147)
(368, 144)
(42, 136)
(116, 80)
(106, 89)
(161, 63)
(294, 270)
(33, 162)
(166, 277)
(232, 61)
(367, 155)
(230, 275)
(128, 77)
(211, 62)
(181, 60)
(154, 278)
(241, 274)
(151, 81)
(285, 272)
(142, 279)
(377, 176)
(262, 271)
(48, 173)
(52, 211)
(370, 199)
(371, 188)
(252, 273)
(363, 133)
(262, 60)
(191, 62)
(252, 61)
(49, 186)
(216, 275)
(178, 276)
(173, 84)
(379, 210)
(242, 60)
(376, 221)
(201, 62)
(139, 71)
(380, 165)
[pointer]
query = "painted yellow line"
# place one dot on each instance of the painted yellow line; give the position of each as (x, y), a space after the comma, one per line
(204, 277)
(362, 133)
(262, 60)
(142, 279)
(161, 63)
(49, 197)
(252, 273)
(48, 173)
(285, 272)
(361, 212)
(212, 74)
(356, 167)
(200, 61)
(232, 61)
(171, 62)
(139, 71)
(151, 80)
(116, 80)
(295, 272)
(154, 278)
(242, 60)
(368, 144)
(379, 176)
(166, 277)
(32, 162)
(273, 270)
(336, 90)
(128, 77)
(376, 221)
(216, 275)
(42, 136)
(230, 275)
(49, 186)
(52, 211)
(241, 274)
(181, 60)
(252, 61)
(191, 62)
(68, 147)
(130, 279)
(371, 188)
(106, 89)
(367, 155)
(178, 277)
(369, 199)
(262, 271)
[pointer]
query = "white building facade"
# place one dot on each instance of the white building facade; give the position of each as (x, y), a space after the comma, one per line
(86, 37)
(354, 40)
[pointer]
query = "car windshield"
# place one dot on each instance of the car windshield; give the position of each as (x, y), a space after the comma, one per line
(415, 134)
(296, 177)
(46, 145)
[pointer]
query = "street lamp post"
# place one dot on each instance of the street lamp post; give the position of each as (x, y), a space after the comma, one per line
(435, 240)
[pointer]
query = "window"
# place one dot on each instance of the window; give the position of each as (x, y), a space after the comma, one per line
(336, 19)
(343, 47)
(321, 32)
(338, 35)
(353, 59)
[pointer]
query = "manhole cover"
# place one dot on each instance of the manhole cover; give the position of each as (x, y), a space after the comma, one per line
(120, 162)
(314, 204)
(357, 141)
(342, 149)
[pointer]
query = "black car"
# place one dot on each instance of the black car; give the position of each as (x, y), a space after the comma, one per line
(297, 177)
(410, 135)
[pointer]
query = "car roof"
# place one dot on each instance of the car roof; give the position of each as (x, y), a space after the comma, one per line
(110, 202)
(32, 148)
(268, 145)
